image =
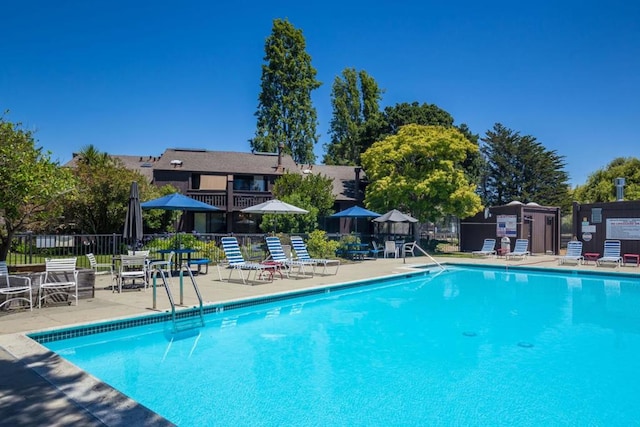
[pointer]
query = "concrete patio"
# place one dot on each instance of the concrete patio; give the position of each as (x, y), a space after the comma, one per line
(27, 370)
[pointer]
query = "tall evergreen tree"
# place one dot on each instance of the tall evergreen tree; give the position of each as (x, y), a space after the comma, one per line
(285, 112)
(520, 168)
(355, 99)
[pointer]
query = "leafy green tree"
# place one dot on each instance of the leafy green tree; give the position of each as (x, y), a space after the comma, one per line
(417, 170)
(600, 185)
(101, 196)
(285, 112)
(520, 168)
(30, 184)
(394, 117)
(355, 99)
(312, 192)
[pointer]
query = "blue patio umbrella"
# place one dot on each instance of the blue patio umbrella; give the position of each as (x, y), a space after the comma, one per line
(355, 212)
(178, 202)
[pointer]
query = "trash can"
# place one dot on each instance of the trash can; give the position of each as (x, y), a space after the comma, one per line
(505, 245)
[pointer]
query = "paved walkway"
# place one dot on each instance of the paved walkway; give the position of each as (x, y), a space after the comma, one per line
(27, 398)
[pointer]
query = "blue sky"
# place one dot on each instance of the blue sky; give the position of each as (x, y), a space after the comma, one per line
(137, 77)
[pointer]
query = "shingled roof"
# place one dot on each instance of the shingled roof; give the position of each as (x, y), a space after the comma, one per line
(225, 162)
(344, 179)
(142, 164)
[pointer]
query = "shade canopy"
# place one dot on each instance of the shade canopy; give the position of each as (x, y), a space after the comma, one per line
(178, 202)
(395, 215)
(274, 206)
(133, 219)
(355, 212)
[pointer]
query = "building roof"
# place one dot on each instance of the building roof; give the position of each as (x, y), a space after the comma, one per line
(224, 162)
(142, 164)
(344, 179)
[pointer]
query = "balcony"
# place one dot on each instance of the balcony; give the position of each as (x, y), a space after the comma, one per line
(241, 199)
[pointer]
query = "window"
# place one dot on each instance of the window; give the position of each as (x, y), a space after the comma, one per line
(209, 182)
(249, 183)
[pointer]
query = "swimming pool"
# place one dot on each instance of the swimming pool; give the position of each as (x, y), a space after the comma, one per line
(469, 346)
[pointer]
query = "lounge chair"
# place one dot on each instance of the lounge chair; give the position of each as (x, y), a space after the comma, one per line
(60, 278)
(611, 253)
(302, 254)
(237, 263)
(574, 253)
(12, 286)
(488, 248)
(277, 254)
(520, 250)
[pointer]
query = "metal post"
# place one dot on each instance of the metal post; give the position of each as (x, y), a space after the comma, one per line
(181, 288)
(154, 289)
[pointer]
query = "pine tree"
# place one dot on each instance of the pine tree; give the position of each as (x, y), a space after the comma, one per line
(355, 99)
(285, 112)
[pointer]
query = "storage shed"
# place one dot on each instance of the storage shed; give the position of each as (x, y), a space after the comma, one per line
(593, 223)
(516, 220)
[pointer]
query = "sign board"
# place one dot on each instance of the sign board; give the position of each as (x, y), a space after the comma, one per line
(507, 226)
(588, 228)
(623, 228)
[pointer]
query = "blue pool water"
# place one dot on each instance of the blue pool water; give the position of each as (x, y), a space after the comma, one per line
(467, 346)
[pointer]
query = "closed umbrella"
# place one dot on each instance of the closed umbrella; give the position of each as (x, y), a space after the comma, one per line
(276, 207)
(355, 212)
(133, 220)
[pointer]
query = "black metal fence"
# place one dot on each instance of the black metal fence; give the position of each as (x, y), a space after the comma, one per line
(29, 248)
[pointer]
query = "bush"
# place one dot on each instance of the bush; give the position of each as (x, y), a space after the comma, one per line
(319, 246)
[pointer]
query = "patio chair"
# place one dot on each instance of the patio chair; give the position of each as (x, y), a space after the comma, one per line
(520, 250)
(12, 286)
(488, 248)
(574, 253)
(390, 248)
(300, 248)
(132, 267)
(611, 253)
(276, 251)
(96, 266)
(409, 248)
(236, 261)
(377, 250)
(60, 278)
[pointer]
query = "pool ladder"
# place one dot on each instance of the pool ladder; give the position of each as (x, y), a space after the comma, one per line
(156, 269)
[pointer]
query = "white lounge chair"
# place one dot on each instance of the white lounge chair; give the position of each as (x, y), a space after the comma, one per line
(300, 248)
(611, 253)
(409, 248)
(520, 250)
(488, 248)
(574, 253)
(237, 263)
(277, 255)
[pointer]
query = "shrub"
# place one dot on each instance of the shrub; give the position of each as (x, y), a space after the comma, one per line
(319, 246)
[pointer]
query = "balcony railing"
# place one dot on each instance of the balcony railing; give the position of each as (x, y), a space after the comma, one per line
(241, 200)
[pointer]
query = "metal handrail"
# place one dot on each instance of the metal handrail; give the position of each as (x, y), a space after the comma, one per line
(416, 245)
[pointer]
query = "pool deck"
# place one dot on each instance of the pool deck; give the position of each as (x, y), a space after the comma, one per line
(27, 398)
